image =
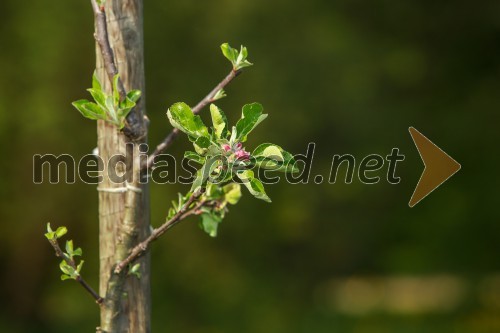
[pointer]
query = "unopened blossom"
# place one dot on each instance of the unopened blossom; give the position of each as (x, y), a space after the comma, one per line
(242, 154)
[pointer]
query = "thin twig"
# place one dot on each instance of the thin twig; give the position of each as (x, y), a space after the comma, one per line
(204, 102)
(210, 97)
(60, 254)
(143, 246)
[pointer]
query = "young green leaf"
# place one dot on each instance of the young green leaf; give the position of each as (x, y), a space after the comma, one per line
(232, 193)
(251, 116)
(61, 231)
(79, 267)
(242, 55)
(210, 222)
(124, 109)
(232, 139)
(238, 59)
(269, 150)
(69, 248)
(253, 185)
(50, 234)
(110, 110)
(116, 91)
(99, 97)
(134, 95)
(219, 94)
(242, 61)
(67, 269)
(203, 142)
(271, 156)
(135, 270)
(219, 120)
(182, 118)
(203, 175)
(198, 180)
(213, 191)
(230, 53)
(201, 145)
(78, 252)
(89, 110)
(191, 155)
(96, 84)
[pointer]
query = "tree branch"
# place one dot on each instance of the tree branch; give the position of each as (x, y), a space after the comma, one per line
(210, 97)
(134, 128)
(60, 254)
(143, 246)
(204, 102)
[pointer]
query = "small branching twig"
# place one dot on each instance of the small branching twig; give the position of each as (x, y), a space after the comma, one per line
(69, 267)
(212, 96)
(143, 246)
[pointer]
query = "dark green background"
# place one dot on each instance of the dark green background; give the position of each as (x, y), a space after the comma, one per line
(351, 76)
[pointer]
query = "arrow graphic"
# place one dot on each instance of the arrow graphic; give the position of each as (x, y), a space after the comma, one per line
(439, 166)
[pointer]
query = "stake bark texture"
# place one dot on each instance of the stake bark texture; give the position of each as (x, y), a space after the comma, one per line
(123, 215)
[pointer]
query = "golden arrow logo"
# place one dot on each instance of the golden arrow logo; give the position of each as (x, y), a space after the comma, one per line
(439, 166)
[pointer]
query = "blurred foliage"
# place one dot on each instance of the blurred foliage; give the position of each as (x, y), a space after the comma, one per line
(351, 76)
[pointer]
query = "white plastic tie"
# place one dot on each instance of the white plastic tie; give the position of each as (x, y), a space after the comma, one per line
(123, 189)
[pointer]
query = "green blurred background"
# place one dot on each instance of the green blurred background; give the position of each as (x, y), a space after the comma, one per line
(351, 76)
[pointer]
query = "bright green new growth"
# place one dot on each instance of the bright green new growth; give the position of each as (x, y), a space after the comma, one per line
(68, 267)
(135, 270)
(110, 108)
(223, 159)
(53, 235)
(219, 94)
(238, 59)
(220, 151)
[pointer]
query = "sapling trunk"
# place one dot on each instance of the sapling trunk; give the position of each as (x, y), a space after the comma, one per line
(123, 216)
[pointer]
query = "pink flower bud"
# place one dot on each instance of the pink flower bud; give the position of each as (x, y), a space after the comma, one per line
(226, 147)
(239, 145)
(242, 155)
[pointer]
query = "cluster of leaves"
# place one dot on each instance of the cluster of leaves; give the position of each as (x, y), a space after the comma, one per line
(68, 265)
(238, 59)
(225, 164)
(111, 108)
(224, 161)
